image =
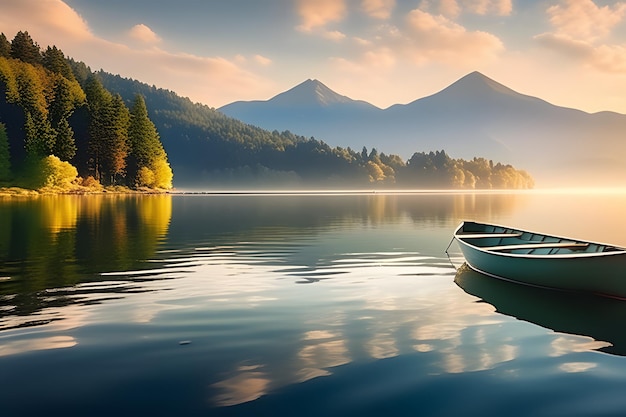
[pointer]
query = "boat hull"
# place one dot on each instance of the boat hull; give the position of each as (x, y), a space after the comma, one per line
(601, 273)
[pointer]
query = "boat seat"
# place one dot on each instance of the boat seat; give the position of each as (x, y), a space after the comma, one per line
(486, 235)
(537, 246)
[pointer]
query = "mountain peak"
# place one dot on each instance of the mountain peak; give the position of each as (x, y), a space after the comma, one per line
(476, 84)
(310, 92)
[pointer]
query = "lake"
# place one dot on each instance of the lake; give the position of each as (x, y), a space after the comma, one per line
(297, 305)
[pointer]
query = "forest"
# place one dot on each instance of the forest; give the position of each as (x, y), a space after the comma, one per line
(59, 115)
(60, 130)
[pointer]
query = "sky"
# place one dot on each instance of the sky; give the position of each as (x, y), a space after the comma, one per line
(571, 53)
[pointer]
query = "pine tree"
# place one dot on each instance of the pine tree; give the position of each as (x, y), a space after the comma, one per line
(5, 46)
(116, 145)
(99, 103)
(39, 135)
(60, 109)
(54, 61)
(8, 80)
(64, 145)
(148, 164)
(30, 134)
(30, 90)
(80, 71)
(5, 161)
(25, 49)
(61, 105)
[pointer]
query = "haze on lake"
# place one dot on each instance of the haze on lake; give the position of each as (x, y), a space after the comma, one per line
(318, 304)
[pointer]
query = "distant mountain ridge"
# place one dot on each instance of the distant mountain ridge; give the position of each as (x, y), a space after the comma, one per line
(474, 116)
(84, 123)
(209, 149)
(311, 93)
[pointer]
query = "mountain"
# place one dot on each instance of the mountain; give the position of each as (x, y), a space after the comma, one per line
(208, 149)
(302, 109)
(309, 94)
(80, 114)
(474, 116)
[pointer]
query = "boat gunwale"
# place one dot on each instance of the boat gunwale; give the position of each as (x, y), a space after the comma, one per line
(459, 238)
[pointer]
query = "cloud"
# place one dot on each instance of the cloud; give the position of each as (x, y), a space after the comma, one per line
(333, 35)
(422, 39)
(317, 13)
(449, 8)
(580, 26)
(566, 45)
(144, 34)
(453, 8)
(262, 60)
(584, 19)
(440, 39)
(361, 41)
(606, 58)
(211, 80)
(379, 9)
(52, 16)
(485, 7)
(378, 59)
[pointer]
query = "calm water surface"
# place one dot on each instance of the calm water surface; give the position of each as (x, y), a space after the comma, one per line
(296, 305)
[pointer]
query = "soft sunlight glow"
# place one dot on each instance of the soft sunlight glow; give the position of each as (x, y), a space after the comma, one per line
(372, 50)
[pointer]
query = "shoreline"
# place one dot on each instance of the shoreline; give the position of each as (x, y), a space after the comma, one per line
(26, 192)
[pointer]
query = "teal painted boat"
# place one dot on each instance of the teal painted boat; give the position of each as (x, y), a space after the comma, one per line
(543, 260)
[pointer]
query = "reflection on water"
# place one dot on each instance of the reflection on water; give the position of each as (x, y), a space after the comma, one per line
(50, 244)
(598, 317)
(253, 305)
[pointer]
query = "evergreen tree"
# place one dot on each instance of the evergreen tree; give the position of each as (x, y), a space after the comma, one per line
(80, 70)
(39, 135)
(99, 103)
(54, 61)
(61, 105)
(25, 49)
(64, 145)
(109, 120)
(148, 161)
(116, 146)
(30, 90)
(66, 95)
(5, 162)
(7, 80)
(30, 134)
(5, 46)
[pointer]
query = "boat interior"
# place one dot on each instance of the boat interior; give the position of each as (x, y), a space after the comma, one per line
(506, 240)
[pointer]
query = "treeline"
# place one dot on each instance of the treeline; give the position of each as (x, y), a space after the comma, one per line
(207, 148)
(60, 126)
(82, 117)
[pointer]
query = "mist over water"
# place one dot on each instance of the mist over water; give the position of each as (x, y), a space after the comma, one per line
(324, 303)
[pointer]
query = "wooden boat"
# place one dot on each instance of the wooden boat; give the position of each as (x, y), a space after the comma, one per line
(543, 260)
